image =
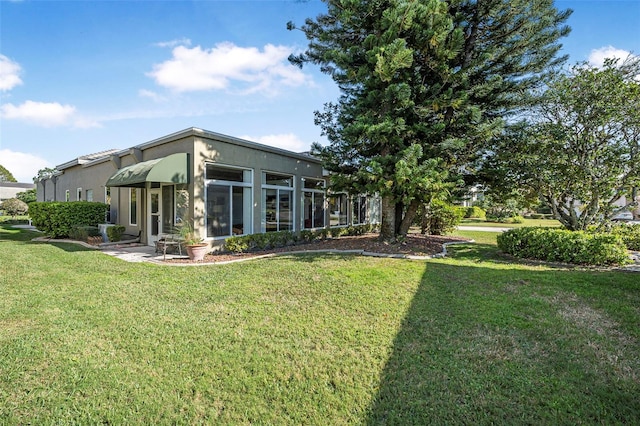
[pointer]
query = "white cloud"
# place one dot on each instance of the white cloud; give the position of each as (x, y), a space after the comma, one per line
(173, 43)
(143, 93)
(597, 56)
(9, 74)
(287, 141)
(255, 70)
(46, 114)
(22, 166)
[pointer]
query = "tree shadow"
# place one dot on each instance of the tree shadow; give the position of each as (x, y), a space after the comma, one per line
(475, 347)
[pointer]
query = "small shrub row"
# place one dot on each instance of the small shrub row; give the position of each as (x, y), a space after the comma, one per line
(56, 219)
(474, 212)
(558, 245)
(540, 216)
(630, 234)
(505, 219)
(114, 233)
(83, 232)
(268, 240)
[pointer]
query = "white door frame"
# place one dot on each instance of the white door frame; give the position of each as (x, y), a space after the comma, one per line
(151, 239)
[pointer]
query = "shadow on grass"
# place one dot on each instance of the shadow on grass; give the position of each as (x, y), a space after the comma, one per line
(479, 346)
(17, 235)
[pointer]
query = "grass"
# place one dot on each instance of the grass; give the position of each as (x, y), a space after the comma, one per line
(527, 222)
(313, 339)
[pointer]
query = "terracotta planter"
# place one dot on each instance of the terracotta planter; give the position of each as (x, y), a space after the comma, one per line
(196, 252)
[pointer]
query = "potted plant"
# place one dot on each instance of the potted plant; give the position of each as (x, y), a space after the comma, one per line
(196, 247)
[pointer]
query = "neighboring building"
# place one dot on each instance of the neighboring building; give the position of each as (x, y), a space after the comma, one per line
(223, 185)
(11, 189)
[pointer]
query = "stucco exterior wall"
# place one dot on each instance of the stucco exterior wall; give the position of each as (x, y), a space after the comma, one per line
(203, 147)
(230, 152)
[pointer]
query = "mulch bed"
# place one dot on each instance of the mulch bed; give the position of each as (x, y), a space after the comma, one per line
(414, 245)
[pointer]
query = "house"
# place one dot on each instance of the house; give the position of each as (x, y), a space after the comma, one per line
(11, 189)
(222, 185)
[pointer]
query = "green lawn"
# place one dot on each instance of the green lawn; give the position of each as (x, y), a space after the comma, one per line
(527, 222)
(313, 339)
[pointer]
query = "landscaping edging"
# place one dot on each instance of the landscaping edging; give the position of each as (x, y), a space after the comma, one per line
(443, 253)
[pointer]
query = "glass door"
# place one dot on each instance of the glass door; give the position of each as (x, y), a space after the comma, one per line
(155, 216)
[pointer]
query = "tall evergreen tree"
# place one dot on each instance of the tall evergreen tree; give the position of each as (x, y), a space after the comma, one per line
(425, 84)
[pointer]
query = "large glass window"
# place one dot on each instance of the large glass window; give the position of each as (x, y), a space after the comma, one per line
(338, 210)
(89, 194)
(313, 200)
(168, 214)
(375, 209)
(228, 195)
(277, 201)
(360, 207)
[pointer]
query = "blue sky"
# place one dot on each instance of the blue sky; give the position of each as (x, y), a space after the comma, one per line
(78, 77)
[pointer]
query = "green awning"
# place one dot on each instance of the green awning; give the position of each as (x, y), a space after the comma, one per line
(171, 169)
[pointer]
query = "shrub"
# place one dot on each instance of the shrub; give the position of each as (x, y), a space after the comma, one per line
(559, 245)
(440, 218)
(475, 212)
(237, 244)
(515, 219)
(57, 218)
(83, 232)
(114, 233)
(14, 207)
(630, 235)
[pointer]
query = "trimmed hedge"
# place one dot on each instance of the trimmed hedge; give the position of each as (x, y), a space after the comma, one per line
(267, 240)
(114, 233)
(630, 235)
(475, 212)
(558, 245)
(57, 219)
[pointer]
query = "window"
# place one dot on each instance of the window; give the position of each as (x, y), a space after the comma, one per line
(67, 195)
(338, 210)
(375, 208)
(107, 195)
(277, 202)
(228, 200)
(313, 199)
(79, 194)
(133, 206)
(168, 213)
(89, 195)
(359, 214)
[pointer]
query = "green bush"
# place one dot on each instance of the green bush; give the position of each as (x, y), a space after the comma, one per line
(515, 219)
(14, 207)
(557, 245)
(57, 218)
(114, 233)
(439, 218)
(630, 234)
(474, 212)
(83, 232)
(267, 240)
(238, 244)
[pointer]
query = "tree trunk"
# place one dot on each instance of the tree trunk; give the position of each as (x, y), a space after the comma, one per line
(408, 218)
(388, 225)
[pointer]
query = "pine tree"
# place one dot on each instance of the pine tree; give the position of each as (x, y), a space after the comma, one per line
(424, 85)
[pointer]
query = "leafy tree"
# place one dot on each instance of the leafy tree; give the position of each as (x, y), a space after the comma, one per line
(423, 82)
(579, 151)
(14, 207)
(5, 175)
(45, 173)
(27, 196)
